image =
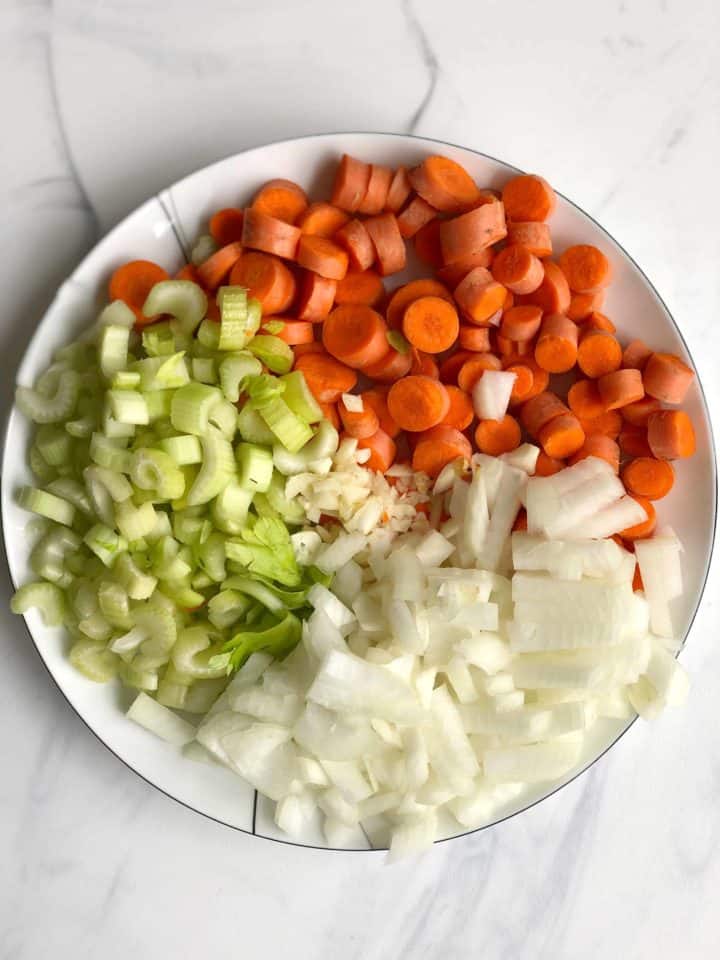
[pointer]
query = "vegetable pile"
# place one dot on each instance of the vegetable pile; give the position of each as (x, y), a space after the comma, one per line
(397, 547)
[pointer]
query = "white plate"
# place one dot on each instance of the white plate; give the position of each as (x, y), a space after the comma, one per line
(163, 230)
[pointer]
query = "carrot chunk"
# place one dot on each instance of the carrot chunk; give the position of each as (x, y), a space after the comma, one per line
(431, 324)
(648, 477)
(418, 403)
(528, 197)
(444, 184)
(667, 378)
(281, 199)
(356, 335)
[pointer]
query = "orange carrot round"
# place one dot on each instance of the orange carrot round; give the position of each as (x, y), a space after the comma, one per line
(636, 354)
(498, 436)
(547, 466)
(317, 295)
(326, 377)
(541, 378)
(294, 332)
(418, 403)
(460, 415)
(556, 346)
(322, 256)
(598, 321)
(533, 235)
(562, 436)
(518, 269)
(414, 217)
(644, 529)
(667, 378)
(188, 272)
(609, 423)
(132, 282)
(427, 244)
(356, 335)
(431, 324)
(351, 183)
(599, 353)
(582, 305)
(521, 323)
(399, 190)
(451, 365)
(671, 435)
(584, 399)
(377, 190)
(472, 231)
(322, 219)
(511, 349)
(472, 369)
(404, 296)
(390, 367)
(267, 279)
(388, 243)
(600, 446)
(281, 199)
(621, 387)
(423, 364)
(444, 184)
(528, 197)
(269, 234)
(452, 273)
(354, 238)
(585, 267)
(539, 410)
(359, 424)
(382, 451)
(376, 398)
(214, 270)
(438, 447)
(476, 339)
(363, 286)
(523, 382)
(479, 298)
(314, 346)
(633, 441)
(648, 477)
(553, 294)
(226, 226)
(638, 413)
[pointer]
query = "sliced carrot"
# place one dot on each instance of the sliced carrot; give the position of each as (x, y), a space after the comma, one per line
(667, 378)
(541, 409)
(404, 296)
(132, 282)
(541, 378)
(418, 403)
(474, 338)
(518, 269)
(638, 413)
(416, 215)
(317, 295)
(322, 219)
(585, 267)
(609, 423)
(633, 441)
(281, 199)
(423, 364)
(556, 348)
(451, 365)
(269, 234)
(648, 477)
(363, 286)
(322, 256)
(472, 231)
(389, 367)
(376, 398)
(473, 368)
(511, 349)
(267, 279)
(354, 238)
(599, 353)
(214, 270)
(444, 184)
(600, 446)
(584, 399)
(461, 413)
(452, 273)
(294, 332)
(645, 528)
(351, 183)
(377, 190)
(399, 190)
(562, 436)
(359, 424)
(427, 244)
(636, 354)
(326, 377)
(621, 387)
(637, 582)
(520, 520)
(584, 304)
(189, 272)
(671, 435)
(356, 335)
(438, 447)
(528, 197)
(301, 349)
(226, 226)
(553, 294)
(598, 321)
(521, 323)
(533, 235)
(498, 436)
(479, 298)
(329, 411)
(547, 466)
(388, 243)
(523, 382)
(382, 451)
(431, 324)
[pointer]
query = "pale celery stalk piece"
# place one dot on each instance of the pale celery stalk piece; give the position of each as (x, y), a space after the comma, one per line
(233, 370)
(216, 470)
(292, 432)
(184, 300)
(191, 407)
(55, 408)
(114, 342)
(46, 504)
(183, 449)
(48, 598)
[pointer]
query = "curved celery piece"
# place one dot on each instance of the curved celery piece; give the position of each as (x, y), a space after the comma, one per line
(209, 334)
(278, 640)
(184, 300)
(117, 314)
(159, 340)
(39, 466)
(258, 591)
(253, 428)
(72, 491)
(128, 406)
(156, 471)
(83, 427)
(94, 660)
(46, 505)
(204, 247)
(114, 604)
(224, 416)
(298, 397)
(216, 471)
(126, 644)
(211, 557)
(48, 556)
(115, 483)
(292, 432)
(159, 405)
(230, 508)
(167, 564)
(171, 694)
(189, 529)
(291, 511)
(133, 522)
(55, 408)
(182, 593)
(194, 649)
(233, 370)
(255, 466)
(48, 598)
(114, 341)
(191, 407)
(100, 484)
(273, 352)
(158, 624)
(54, 444)
(138, 585)
(110, 452)
(227, 607)
(105, 543)
(323, 444)
(204, 369)
(137, 678)
(183, 449)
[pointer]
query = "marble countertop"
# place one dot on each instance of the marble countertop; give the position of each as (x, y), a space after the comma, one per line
(108, 101)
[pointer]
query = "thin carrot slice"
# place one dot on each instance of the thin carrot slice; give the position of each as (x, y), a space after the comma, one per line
(472, 369)
(358, 423)
(667, 378)
(512, 349)
(294, 332)
(556, 348)
(546, 466)
(389, 367)
(633, 441)
(648, 477)
(382, 451)
(322, 219)
(540, 410)
(267, 279)
(621, 387)
(431, 324)
(356, 335)
(636, 354)
(317, 295)
(399, 190)
(322, 256)
(329, 412)
(472, 231)
(600, 446)
(645, 528)
(609, 423)
(354, 238)
(364, 286)
(528, 197)
(599, 353)
(562, 436)
(451, 365)
(438, 447)
(269, 234)
(452, 273)
(533, 235)
(326, 377)
(427, 244)
(377, 190)
(215, 269)
(553, 294)
(582, 305)
(523, 384)
(226, 226)
(444, 184)
(351, 182)
(638, 413)
(414, 217)
(584, 399)
(301, 349)
(671, 435)
(479, 298)
(281, 199)
(518, 269)
(586, 268)
(404, 295)
(521, 323)
(498, 436)
(476, 339)
(132, 282)
(376, 398)
(461, 413)
(418, 403)
(388, 243)
(598, 321)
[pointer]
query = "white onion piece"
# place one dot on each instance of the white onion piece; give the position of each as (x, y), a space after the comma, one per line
(624, 513)
(295, 812)
(667, 676)
(336, 554)
(531, 763)
(160, 720)
(412, 836)
(491, 394)
(352, 402)
(659, 561)
(322, 599)
(523, 458)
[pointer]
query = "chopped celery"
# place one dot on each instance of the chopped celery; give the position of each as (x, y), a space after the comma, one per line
(158, 339)
(138, 585)
(298, 397)
(159, 405)
(94, 660)
(224, 416)
(255, 466)
(274, 598)
(155, 470)
(54, 444)
(163, 373)
(233, 370)
(204, 370)
(105, 543)
(182, 299)
(323, 444)
(189, 529)
(183, 449)
(253, 428)
(290, 510)
(227, 607)
(230, 508)
(128, 406)
(47, 597)
(47, 505)
(292, 432)
(278, 640)
(265, 550)
(134, 522)
(126, 380)
(195, 647)
(233, 318)
(114, 604)
(39, 465)
(216, 471)
(191, 407)
(273, 352)
(204, 247)
(73, 491)
(211, 557)
(114, 341)
(209, 334)
(110, 452)
(54, 408)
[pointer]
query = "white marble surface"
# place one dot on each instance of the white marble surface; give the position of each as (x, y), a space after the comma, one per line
(105, 102)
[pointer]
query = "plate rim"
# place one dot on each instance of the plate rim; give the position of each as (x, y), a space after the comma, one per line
(158, 197)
